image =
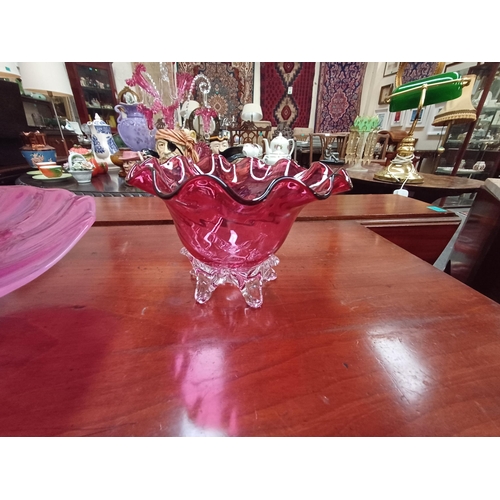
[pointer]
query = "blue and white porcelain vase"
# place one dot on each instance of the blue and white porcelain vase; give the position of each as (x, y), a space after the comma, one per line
(103, 144)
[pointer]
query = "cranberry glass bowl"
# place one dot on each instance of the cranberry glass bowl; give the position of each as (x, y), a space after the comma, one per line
(233, 217)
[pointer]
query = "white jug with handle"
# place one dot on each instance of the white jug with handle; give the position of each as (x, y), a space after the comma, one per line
(280, 146)
(103, 144)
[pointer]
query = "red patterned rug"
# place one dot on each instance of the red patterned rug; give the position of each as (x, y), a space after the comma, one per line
(278, 106)
(339, 95)
(232, 84)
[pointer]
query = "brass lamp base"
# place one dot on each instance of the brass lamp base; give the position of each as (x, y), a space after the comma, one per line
(399, 171)
(401, 168)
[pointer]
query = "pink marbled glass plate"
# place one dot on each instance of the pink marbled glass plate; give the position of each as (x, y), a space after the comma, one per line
(38, 227)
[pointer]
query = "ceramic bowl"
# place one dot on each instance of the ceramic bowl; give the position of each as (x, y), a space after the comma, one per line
(50, 170)
(46, 163)
(272, 158)
(32, 156)
(82, 176)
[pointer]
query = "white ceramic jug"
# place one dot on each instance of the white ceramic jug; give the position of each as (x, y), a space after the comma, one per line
(280, 145)
(103, 144)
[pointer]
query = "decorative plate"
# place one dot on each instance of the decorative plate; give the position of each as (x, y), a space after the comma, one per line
(42, 177)
(38, 227)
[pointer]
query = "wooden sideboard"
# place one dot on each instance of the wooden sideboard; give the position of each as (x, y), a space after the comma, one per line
(420, 229)
(474, 259)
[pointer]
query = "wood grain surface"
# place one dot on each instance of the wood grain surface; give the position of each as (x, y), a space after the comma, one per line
(419, 228)
(152, 210)
(356, 337)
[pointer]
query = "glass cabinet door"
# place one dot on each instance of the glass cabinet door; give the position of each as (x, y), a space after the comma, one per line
(97, 93)
(482, 155)
(94, 91)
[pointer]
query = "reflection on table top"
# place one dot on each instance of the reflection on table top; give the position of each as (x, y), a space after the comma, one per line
(110, 184)
(356, 337)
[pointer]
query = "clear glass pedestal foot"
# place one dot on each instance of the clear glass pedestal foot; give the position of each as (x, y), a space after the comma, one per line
(249, 280)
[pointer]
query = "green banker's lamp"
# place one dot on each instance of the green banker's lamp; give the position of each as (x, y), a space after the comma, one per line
(417, 94)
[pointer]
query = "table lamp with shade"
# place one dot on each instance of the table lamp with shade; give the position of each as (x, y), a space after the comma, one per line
(50, 78)
(251, 112)
(417, 94)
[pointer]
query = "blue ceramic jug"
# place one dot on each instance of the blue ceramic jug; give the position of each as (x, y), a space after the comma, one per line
(133, 127)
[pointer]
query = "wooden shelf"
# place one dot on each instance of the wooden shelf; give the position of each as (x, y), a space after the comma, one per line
(79, 90)
(97, 107)
(97, 89)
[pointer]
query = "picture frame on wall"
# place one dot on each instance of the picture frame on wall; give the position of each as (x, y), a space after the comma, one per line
(412, 113)
(398, 119)
(385, 92)
(391, 68)
(460, 67)
(383, 118)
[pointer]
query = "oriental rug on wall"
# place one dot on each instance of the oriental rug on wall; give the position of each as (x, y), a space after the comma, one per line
(418, 70)
(339, 95)
(232, 85)
(278, 106)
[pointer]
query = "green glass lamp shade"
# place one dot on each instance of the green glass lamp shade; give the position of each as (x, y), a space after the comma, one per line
(450, 87)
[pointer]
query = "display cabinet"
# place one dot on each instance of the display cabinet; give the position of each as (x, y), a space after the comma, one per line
(94, 90)
(40, 116)
(17, 114)
(468, 145)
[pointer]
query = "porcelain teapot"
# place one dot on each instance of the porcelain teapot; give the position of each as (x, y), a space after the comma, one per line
(280, 146)
(103, 144)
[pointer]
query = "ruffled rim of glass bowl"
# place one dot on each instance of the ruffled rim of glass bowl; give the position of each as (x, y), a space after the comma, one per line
(321, 188)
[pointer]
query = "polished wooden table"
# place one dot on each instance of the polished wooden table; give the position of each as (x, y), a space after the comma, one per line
(356, 337)
(433, 188)
(415, 226)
